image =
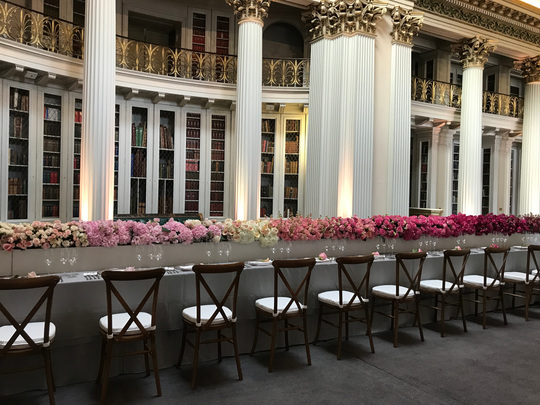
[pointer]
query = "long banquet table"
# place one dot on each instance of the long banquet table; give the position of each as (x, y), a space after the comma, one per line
(79, 302)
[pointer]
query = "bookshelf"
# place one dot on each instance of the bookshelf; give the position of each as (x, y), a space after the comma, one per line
(166, 162)
(77, 123)
(193, 157)
(217, 166)
(139, 155)
(455, 171)
(424, 156)
(486, 177)
(222, 35)
(18, 173)
(292, 155)
(199, 32)
(116, 154)
(268, 141)
(52, 136)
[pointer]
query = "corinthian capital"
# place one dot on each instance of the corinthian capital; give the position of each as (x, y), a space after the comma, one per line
(474, 52)
(406, 25)
(250, 10)
(530, 68)
(331, 18)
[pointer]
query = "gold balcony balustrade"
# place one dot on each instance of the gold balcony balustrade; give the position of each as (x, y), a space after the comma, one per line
(35, 29)
(285, 72)
(449, 95)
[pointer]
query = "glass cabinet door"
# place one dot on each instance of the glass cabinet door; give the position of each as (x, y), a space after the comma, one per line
(292, 160)
(139, 156)
(268, 139)
(166, 162)
(217, 166)
(193, 157)
(77, 156)
(52, 134)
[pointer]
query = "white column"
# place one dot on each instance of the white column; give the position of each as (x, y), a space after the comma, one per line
(529, 190)
(503, 175)
(248, 119)
(470, 143)
(444, 170)
(399, 159)
(97, 143)
(433, 177)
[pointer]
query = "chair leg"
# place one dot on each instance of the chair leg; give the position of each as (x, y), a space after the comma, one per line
(462, 311)
(304, 320)
(236, 354)
(501, 295)
(346, 325)
(436, 305)
(514, 287)
(443, 306)
(154, 363)
(101, 360)
(256, 336)
(195, 357)
(182, 347)
(339, 336)
(146, 359)
(219, 345)
(106, 369)
(49, 374)
(368, 329)
(286, 335)
(484, 301)
(475, 302)
(273, 344)
(395, 307)
(528, 295)
(417, 304)
(392, 321)
(319, 321)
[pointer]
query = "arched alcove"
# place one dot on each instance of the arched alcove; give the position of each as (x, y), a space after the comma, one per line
(281, 40)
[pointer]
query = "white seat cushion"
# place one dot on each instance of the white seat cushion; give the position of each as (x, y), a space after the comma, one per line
(389, 291)
(267, 305)
(120, 320)
(475, 281)
(437, 286)
(190, 314)
(332, 298)
(35, 331)
(518, 276)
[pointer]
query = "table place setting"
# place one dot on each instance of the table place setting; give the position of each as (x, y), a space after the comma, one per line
(259, 263)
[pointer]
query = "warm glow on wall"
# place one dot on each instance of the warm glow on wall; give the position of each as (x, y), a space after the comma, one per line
(345, 197)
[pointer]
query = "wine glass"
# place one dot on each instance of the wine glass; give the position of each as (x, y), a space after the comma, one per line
(49, 259)
(227, 250)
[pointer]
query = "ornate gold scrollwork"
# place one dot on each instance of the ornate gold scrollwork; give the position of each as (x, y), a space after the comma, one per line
(254, 10)
(329, 19)
(530, 68)
(286, 72)
(406, 25)
(474, 52)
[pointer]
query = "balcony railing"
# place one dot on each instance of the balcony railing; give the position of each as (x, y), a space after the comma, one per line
(449, 95)
(286, 72)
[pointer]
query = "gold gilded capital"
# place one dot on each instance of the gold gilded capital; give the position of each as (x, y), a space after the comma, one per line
(250, 10)
(530, 68)
(406, 25)
(332, 18)
(474, 52)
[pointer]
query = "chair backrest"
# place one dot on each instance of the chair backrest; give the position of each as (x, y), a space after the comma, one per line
(494, 264)
(47, 283)
(202, 271)
(531, 257)
(406, 263)
(361, 265)
(295, 291)
(115, 277)
(451, 258)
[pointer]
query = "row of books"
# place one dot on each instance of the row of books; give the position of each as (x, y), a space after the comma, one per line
(166, 140)
(138, 135)
(292, 125)
(267, 165)
(138, 163)
(216, 196)
(51, 193)
(51, 177)
(218, 175)
(193, 123)
(268, 126)
(17, 185)
(19, 100)
(51, 145)
(165, 205)
(50, 210)
(291, 167)
(52, 160)
(18, 132)
(218, 144)
(51, 113)
(267, 146)
(267, 191)
(193, 154)
(291, 192)
(217, 167)
(192, 195)
(193, 144)
(17, 209)
(76, 178)
(76, 192)
(292, 147)
(166, 170)
(218, 122)
(192, 185)
(138, 208)
(218, 134)
(217, 186)
(218, 155)
(192, 165)
(52, 128)
(77, 146)
(17, 157)
(78, 117)
(193, 133)
(191, 206)
(216, 208)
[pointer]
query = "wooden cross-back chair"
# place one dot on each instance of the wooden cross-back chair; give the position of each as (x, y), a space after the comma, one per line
(215, 316)
(131, 325)
(350, 297)
(285, 308)
(491, 279)
(451, 283)
(528, 280)
(27, 335)
(404, 291)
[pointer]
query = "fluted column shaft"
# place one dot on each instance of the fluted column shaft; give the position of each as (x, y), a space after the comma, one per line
(248, 120)
(470, 143)
(97, 140)
(444, 170)
(529, 195)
